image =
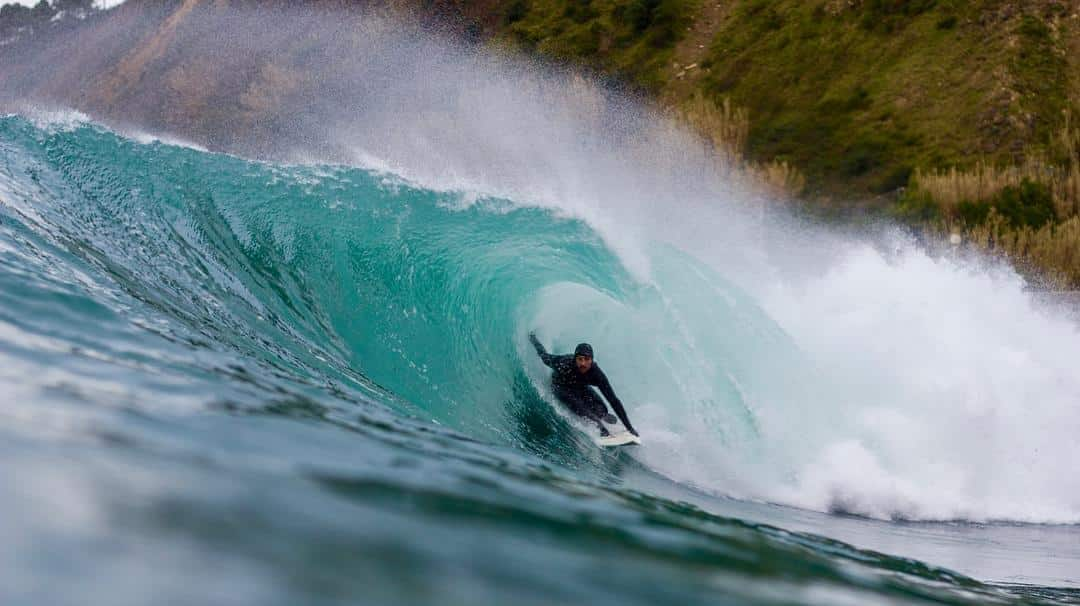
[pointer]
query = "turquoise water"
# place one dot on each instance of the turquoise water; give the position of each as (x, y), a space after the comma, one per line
(228, 381)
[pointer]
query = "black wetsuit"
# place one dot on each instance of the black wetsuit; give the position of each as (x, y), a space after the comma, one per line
(572, 388)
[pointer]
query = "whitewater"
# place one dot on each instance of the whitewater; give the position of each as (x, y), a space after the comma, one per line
(310, 354)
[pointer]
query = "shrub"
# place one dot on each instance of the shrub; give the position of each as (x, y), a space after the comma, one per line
(863, 157)
(916, 207)
(772, 20)
(638, 14)
(668, 20)
(516, 11)
(1030, 204)
(579, 11)
(894, 180)
(947, 22)
(1034, 28)
(973, 213)
(886, 15)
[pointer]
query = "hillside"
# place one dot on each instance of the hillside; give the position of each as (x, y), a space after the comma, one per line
(857, 94)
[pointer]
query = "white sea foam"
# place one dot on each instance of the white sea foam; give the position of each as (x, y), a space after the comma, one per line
(955, 395)
(55, 119)
(147, 138)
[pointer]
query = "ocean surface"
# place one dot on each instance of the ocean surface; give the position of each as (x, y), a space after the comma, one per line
(228, 381)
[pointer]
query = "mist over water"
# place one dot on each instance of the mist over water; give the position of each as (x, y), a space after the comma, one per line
(398, 210)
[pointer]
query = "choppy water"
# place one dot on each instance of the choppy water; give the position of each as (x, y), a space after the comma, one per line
(227, 381)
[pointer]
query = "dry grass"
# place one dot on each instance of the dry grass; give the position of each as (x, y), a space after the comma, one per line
(724, 130)
(1068, 188)
(984, 181)
(778, 178)
(1052, 251)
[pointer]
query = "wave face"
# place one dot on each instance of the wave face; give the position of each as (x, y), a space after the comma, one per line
(423, 298)
(190, 329)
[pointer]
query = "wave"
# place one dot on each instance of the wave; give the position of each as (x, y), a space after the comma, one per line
(870, 378)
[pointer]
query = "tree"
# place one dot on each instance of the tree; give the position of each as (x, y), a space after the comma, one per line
(12, 18)
(74, 6)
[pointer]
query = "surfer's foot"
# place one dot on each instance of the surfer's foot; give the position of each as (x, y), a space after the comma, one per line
(604, 432)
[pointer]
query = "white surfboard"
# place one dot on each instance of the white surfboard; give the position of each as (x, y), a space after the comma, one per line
(619, 439)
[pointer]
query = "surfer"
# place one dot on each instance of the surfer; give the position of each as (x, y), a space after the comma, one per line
(571, 376)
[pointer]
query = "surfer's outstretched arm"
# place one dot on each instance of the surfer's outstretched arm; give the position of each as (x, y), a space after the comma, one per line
(547, 358)
(609, 395)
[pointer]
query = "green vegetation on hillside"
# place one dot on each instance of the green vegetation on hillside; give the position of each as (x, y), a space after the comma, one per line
(632, 40)
(859, 97)
(832, 92)
(857, 94)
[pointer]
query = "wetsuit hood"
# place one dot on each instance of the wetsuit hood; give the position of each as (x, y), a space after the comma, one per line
(583, 349)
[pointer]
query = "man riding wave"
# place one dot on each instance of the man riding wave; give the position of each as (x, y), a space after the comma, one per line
(571, 378)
